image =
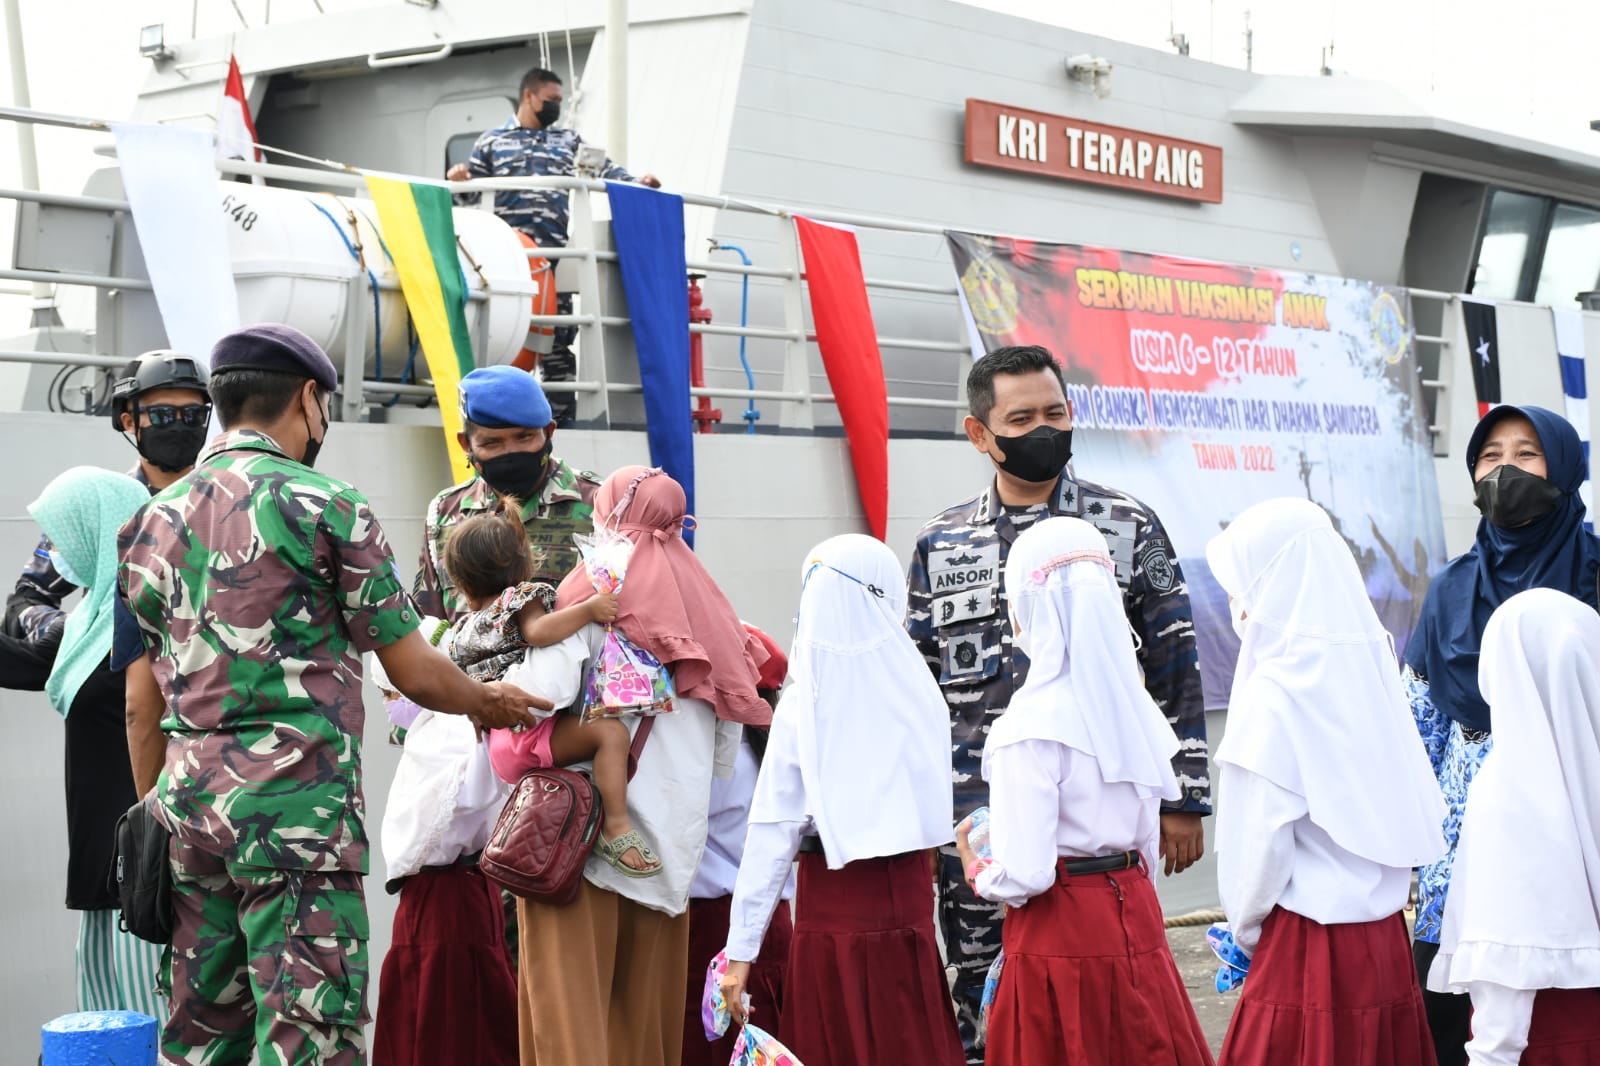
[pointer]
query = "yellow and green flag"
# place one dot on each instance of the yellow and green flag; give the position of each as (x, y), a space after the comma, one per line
(421, 235)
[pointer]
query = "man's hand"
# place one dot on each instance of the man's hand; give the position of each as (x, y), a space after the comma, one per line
(733, 985)
(505, 706)
(459, 172)
(1183, 840)
(650, 181)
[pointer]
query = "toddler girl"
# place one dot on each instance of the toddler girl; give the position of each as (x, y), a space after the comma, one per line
(488, 558)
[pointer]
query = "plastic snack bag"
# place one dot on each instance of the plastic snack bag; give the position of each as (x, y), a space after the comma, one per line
(605, 555)
(624, 679)
(757, 1047)
(714, 1016)
(991, 985)
(1235, 963)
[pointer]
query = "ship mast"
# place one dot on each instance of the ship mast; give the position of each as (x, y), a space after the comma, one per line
(27, 152)
(616, 79)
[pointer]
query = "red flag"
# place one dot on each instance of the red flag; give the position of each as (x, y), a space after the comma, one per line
(236, 133)
(849, 345)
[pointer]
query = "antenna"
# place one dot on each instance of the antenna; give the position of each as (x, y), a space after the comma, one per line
(1249, 44)
(1327, 60)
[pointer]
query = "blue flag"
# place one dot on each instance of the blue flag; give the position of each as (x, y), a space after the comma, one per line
(648, 227)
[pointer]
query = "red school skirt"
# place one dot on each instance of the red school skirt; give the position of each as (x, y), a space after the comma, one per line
(447, 992)
(865, 984)
(1089, 979)
(708, 934)
(1330, 995)
(1565, 1028)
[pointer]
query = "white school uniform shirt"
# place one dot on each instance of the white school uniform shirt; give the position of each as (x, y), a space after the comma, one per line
(860, 699)
(1326, 797)
(1079, 763)
(1523, 912)
(670, 794)
(725, 830)
(1050, 801)
(445, 797)
(1270, 853)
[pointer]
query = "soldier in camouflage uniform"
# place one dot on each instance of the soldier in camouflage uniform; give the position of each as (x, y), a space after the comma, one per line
(256, 584)
(508, 434)
(526, 146)
(957, 615)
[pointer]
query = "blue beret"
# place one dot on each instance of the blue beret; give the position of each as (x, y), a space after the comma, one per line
(498, 397)
(271, 346)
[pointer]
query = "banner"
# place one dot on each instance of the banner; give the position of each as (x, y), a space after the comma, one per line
(1483, 338)
(848, 342)
(166, 172)
(648, 228)
(1202, 388)
(1575, 391)
(420, 233)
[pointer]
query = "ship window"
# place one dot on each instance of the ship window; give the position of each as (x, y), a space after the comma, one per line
(458, 149)
(1537, 249)
(1571, 256)
(1510, 232)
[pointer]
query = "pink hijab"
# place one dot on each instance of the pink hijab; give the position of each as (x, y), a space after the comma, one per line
(669, 605)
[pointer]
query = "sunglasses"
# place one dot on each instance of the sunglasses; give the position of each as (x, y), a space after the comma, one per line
(167, 414)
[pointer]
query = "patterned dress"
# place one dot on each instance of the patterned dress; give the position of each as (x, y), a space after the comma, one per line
(1456, 754)
(487, 643)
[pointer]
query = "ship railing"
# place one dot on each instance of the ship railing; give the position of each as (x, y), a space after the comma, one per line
(580, 271)
(579, 268)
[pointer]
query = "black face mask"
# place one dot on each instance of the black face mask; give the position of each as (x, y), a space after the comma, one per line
(519, 474)
(549, 112)
(173, 448)
(1509, 496)
(314, 447)
(1038, 455)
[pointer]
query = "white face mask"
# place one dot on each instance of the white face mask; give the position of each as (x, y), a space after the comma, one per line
(1236, 613)
(66, 571)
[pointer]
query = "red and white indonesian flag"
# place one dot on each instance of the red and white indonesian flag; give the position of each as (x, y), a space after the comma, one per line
(236, 133)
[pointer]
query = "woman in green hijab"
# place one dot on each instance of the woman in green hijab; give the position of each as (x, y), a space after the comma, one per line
(81, 512)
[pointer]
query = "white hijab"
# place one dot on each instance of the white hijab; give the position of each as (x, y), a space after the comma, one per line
(1524, 904)
(862, 720)
(1317, 707)
(1084, 688)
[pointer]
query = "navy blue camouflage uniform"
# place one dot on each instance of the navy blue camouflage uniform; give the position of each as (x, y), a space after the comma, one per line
(515, 151)
(956, 614)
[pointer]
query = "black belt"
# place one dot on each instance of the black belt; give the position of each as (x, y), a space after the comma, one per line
(810, 845)
(1102, 864)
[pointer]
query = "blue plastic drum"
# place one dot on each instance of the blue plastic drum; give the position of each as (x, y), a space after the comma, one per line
(101, 1038)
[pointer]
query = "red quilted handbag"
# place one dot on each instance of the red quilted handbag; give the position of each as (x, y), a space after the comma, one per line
(547, 829)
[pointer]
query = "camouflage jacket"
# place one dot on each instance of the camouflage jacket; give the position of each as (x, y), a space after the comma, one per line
(515, 151)
(257, 583)
(956, 614)
(33, 610)
(564, 507)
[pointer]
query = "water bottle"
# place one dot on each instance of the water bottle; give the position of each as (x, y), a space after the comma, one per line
(978, 833)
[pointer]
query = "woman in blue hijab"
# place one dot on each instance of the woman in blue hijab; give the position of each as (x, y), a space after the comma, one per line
(1527, 464)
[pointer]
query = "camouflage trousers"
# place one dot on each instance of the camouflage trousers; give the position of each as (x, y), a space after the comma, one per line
(264, 961)
(971, 929)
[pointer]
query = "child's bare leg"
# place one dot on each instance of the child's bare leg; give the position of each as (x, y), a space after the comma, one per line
(606, 741)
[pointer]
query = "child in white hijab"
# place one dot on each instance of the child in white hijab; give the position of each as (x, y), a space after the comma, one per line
(1522, 924)
(1077, 768)
(1326, 802)
(857, 781)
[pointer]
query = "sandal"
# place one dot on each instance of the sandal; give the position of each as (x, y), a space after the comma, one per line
(613, 850)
